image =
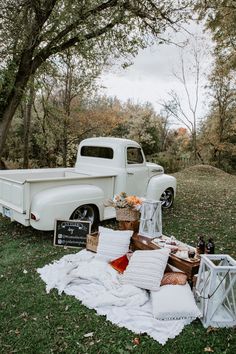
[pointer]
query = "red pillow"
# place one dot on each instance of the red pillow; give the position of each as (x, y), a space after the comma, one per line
(174, 278)
(120, 263)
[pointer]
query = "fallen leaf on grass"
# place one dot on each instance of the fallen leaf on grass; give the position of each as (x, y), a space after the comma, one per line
(212, 329)
(17, 332)
(208, 350)
(24, 314)
(136, 341)
(87, 335)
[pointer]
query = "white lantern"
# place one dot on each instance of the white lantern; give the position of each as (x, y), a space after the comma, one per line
(216, 290)
(150, 221)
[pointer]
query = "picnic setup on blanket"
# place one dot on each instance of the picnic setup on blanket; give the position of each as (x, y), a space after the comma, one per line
(145, 281)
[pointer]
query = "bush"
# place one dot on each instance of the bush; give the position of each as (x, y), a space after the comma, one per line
(170, 163)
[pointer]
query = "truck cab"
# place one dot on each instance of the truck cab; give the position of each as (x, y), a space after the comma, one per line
(126, 159)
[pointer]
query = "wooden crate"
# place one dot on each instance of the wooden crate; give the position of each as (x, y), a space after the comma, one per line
(92, 242)
(129, 225)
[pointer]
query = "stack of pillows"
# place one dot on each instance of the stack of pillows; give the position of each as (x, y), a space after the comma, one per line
(171, 295)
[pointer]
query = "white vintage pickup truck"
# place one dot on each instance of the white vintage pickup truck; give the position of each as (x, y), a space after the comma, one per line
(104, 167)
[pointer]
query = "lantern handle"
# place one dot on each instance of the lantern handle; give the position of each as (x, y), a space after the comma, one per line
(155, 209)
(209, 296)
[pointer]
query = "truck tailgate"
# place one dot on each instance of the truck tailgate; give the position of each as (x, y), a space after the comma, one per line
(12, 194)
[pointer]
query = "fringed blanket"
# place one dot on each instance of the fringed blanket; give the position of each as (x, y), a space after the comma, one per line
(96, 284)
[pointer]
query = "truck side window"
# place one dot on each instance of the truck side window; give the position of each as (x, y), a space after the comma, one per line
(97, 151)
(134, 155)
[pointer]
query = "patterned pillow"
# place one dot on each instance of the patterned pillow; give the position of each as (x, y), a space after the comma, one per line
(174, 278)
(146, 268)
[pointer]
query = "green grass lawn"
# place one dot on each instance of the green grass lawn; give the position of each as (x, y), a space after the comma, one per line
(33, 322)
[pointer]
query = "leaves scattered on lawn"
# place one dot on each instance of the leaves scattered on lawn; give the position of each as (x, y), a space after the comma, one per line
(87, 335)
(208, 350)
(205, 204)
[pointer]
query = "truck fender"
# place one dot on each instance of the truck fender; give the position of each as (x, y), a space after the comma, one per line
(60, 202)
(158, 184)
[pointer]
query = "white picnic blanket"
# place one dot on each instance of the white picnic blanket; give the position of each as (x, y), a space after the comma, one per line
(96, 284)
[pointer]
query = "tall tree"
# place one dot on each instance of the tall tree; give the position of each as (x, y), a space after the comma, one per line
(189, 74)
(218, 132)
(220, 19)
(219, 129)
(143, 125)
(33, 31)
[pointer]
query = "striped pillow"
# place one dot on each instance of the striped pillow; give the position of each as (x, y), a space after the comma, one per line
(112, 244)
(146, 268)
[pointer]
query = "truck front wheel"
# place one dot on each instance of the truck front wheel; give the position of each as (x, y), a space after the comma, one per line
(86, 213)
(167, 198)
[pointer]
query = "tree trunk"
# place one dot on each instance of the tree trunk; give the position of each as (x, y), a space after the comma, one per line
(27, 124)
(67, 108)
(5, 121)
(12, 99)
(65, 142)
(195, 146)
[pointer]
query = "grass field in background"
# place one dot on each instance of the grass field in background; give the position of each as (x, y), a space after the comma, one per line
(32, 321)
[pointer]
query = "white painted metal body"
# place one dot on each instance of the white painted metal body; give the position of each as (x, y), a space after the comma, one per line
(55, 193)
(216, 290)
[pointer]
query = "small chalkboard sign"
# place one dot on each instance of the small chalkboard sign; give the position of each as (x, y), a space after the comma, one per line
(71, 233)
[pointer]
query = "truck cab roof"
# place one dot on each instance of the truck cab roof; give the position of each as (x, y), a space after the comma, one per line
(104, 151)
(108, 141)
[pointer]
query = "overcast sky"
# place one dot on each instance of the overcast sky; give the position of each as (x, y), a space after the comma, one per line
(151, 77)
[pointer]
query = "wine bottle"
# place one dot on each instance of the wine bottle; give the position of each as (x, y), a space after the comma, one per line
(200, 245)
(210, 246)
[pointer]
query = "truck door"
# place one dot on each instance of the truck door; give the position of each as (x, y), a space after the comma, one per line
(137, 172)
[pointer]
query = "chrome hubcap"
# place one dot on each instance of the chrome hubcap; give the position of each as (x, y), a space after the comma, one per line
(84, 213)
(166, 199)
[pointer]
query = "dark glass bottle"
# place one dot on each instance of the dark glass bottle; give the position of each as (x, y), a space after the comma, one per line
(201, 245)
(210, 246)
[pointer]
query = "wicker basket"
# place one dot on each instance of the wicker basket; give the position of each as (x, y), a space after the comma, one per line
(126, 214)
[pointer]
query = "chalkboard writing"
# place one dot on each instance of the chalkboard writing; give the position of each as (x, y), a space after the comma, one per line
(71, 233)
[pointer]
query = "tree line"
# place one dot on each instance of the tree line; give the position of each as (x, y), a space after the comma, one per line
(54, 50)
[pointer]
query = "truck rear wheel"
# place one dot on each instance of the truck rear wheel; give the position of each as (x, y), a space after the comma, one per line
(85, 212)
(167, 198)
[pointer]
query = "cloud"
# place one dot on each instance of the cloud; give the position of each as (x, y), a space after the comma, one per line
(151, 78)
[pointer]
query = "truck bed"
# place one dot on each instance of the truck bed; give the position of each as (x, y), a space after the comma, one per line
(21, 176)
(17, 187)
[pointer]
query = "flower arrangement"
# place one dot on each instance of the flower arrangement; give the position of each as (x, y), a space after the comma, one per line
(122, 200)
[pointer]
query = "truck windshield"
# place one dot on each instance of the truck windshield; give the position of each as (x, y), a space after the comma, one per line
(97, 151)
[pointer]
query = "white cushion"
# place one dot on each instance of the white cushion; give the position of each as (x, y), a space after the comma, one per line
(146, 268)
(174, 302)
(113, 244)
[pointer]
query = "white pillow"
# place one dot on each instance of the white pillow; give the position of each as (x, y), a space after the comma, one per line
(113, 244)
(173, 302)
(146, 268)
